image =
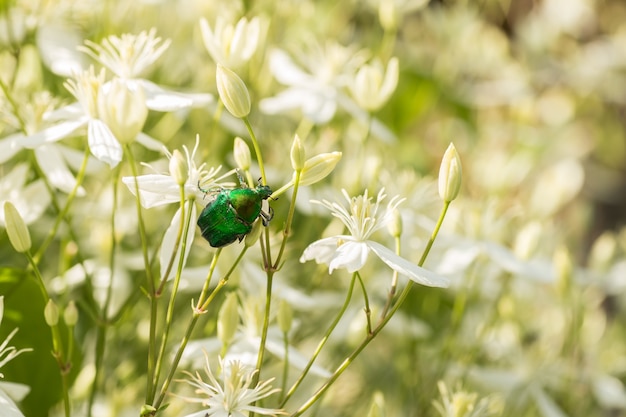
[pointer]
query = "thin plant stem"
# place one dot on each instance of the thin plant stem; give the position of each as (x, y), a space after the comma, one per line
(266, 323)
(287, 230)
(285, 366)
(183, 228)
(184, 221)
(368, 311)
(257, 150)
(394, 283)
(344, 365)
(198, 310)
(321, 343)
(103, 321)
(150, 282)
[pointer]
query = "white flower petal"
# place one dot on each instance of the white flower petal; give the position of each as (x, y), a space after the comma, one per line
(169, 240)
(8, 407)
(286, 71)
(15, 390)
(160, 99)
(102, 143)
(9, 146)
(51, 162)
(33, 201)
(54, 133)
(350, 255)
(149, 142)
(57, 44)
(404, 267)
(321, 250)
(154, 189)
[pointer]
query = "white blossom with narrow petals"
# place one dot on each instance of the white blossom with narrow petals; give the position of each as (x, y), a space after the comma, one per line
(234, 396)
(128, 56)
(362, 219)
(231, 45)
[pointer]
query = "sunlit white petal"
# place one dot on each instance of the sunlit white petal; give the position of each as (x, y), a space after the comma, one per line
(54, 133)
(409, 269)
(102, 143)
(154, 189)
(322, 251)
(53, 165)
(351, 255)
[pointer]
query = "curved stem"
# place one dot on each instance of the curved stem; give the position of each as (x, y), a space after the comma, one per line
(103, 320)
(368, 311)
(287, 230)
(322, 342)
(169, 314)
(149, 279)
(257, 150)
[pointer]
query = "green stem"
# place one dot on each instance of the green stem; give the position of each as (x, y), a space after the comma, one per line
(103, 321)
(257, 150)
(368, 311)
(266, 323)
(198, 310)
(287, 230)
(170, 307)
(285, 366)
(149, 279)
(322, 342)
(394, 283)
(344, 365)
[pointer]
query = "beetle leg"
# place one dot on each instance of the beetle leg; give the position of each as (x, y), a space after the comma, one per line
(266, 217)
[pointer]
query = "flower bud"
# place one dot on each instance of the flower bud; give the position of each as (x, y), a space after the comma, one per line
(51, 313)
(450, 175)
(254, 234)
(241, 153)
(297, 154)
(228, 319)
(388, 15)
(233, 92)
(122, 106)
(285, 316)
(395, 224)
(178, 167)
(16, 228)
(70, 315)
(373, 85)
(317, 168)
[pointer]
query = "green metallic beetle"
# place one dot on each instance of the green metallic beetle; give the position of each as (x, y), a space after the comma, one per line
(231, 214)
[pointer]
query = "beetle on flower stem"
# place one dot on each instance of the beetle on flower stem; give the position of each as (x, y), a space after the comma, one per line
(231, 214)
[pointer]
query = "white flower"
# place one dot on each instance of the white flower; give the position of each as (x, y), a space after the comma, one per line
(53, 159)
(86, 87)
(235, 396)
(129, 56)
(362, 218)
(373, 85)
(316, 88)
(231, 46)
